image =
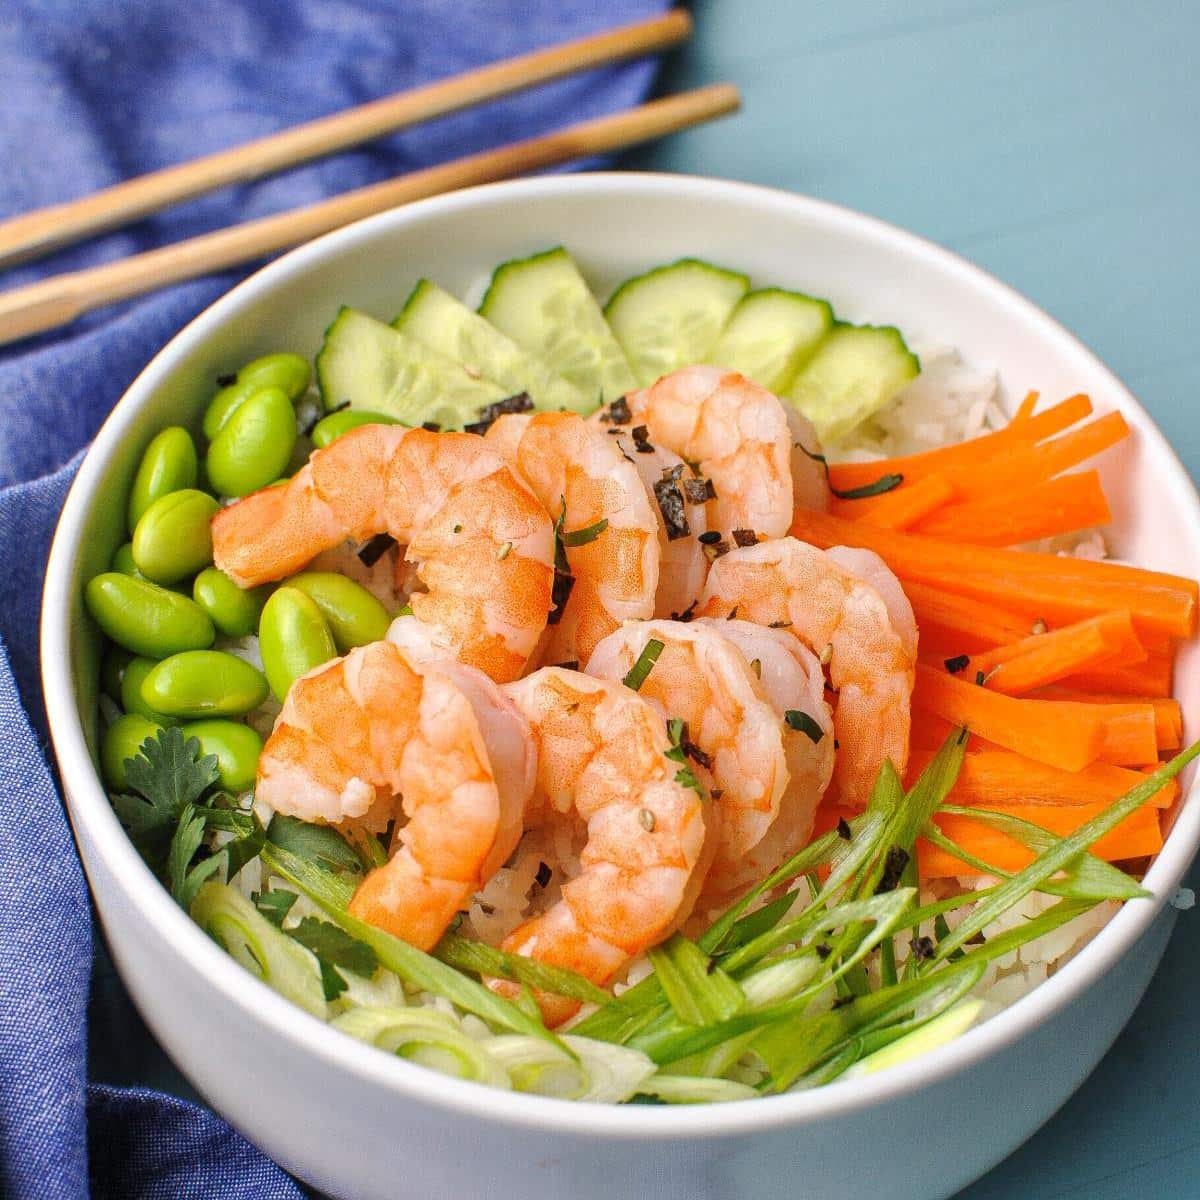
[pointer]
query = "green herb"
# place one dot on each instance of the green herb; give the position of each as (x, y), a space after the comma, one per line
(698, 991)
(645, 663)
(313, 843)
(885, 483)
(335, 949)
(275, 904)
(581, 537)
(803, 723)
(186, 840)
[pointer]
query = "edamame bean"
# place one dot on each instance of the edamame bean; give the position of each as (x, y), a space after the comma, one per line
(170, 463)
(236, 746)
(288, 372)
(173, 539)
(123, 739)
(233, 610)
(203, 683)
(135, 672)
(293, 638)
(329, 429)
(353, 615)
(112, 671)
(145, 618)
(122, 561)
(255, 445)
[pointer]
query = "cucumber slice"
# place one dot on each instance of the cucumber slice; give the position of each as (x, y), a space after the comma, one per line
(671, 317)
(436, 318)
(376, 367)
(855, 371)
(544, 305)
(771, 335)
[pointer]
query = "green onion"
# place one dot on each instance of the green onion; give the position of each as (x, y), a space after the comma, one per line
(697, 991)
(581, 537)
(693, 1089)
(937, 1031)
(645, 663)
(803, 723)
(598, 1071)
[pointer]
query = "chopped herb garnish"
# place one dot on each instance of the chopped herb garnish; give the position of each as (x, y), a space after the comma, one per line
(372, 550)
(581, 537)
(780, 625)
(670, 504)
(803, 723)
(843, 828)
(687, 614)
(959, 662)
(922, 948)
(490, 413)
(710, 537)
(732, 614)
(641, 439)
(275, 904)
(618, 412)
(885, 483)
(560, 593)
(980, 678)
(714, 550)
(335, 948)
(699, 491)
(645, 664)
(543, 875)
(745, 537)
(893, 869)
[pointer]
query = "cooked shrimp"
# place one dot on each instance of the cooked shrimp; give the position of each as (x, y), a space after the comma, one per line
(367, 738)
(609, 529)
(682, 564)
(740, 436)
(734, 736)
(483, 545)
(869, 650)
(794, 682)
(602, 759)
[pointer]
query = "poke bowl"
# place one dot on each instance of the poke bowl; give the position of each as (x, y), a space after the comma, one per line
(933, 352)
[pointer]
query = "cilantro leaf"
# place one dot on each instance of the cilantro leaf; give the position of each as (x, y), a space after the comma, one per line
(275, 904)
(335, 948)
(314, 843)
(243, 849)
(187, 839)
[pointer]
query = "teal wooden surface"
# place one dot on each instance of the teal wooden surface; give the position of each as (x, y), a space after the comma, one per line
(1054, 142)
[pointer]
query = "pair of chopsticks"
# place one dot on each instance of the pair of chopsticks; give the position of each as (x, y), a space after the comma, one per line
(60, 299)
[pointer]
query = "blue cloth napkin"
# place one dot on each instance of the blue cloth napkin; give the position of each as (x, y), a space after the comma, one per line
(92, 92)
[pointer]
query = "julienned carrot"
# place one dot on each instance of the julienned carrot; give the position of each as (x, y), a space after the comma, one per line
(1168, 714)
(902, 507)
(1130, 734)
(1055, 419)
(963, 620)
(1047, 508)
(1026, 407)
(1045, 658)
(1137, 836)
(991, 777)
(1151, 678)
(1022, 464)
(1059, 733)
(1056, 588)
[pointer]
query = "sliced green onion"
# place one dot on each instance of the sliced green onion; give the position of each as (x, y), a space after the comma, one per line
(644, 665)
(250, 939)
(423, 1035)
(759, 922)
(581, 537)
(697, 991)
(599, 1072)
(1000, 944)
(694, 1089)
(939, 1030)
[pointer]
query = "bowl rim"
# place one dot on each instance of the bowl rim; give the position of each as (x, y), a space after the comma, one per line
(89, 808)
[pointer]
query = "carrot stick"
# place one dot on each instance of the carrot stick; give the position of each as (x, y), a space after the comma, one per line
(1059, 733)
(1022, 464)
(1026, 407)
(991, 777)
(1130, 734)
(1055, 419)
(901, 508)
(1053, 587)
(963, 620)
(1045, 509)
(1151, 678)
(1168, 713)
(1135, 837)
(1045, 658)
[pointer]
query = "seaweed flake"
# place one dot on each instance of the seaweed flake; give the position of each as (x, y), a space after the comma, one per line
(709, 538)
(372, 550)
(490, 413)
(843, 828)
(670, 504)
(745, 537)
(543, 875)
(618, 413)
(959, 662)
(922, 948)
(893, 869)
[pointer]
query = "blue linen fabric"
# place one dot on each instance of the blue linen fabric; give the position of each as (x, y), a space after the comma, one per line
(92, 92)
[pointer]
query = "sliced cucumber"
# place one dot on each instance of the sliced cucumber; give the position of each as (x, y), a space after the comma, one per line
(855, 371)
(771, 335)
(544, 305)
(671, 317)
(376, 367)
(436, 318)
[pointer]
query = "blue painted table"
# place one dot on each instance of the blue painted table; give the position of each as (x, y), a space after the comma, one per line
(1050, 141)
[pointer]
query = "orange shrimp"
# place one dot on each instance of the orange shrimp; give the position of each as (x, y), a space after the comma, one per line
(482, 544)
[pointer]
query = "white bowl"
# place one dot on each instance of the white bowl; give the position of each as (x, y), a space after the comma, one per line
(361, 1124)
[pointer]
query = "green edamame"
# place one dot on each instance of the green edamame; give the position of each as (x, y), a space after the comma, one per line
(169, 463)
(329, 429)
(236, 746)
(123, 739)
(288, 372)
(255, 445)
(233, 610)
(122, 561)
(145, 618)
(293, 638)
(353, 615)
(135, 672)
(112, 671)
(172, 539)
(203, 683)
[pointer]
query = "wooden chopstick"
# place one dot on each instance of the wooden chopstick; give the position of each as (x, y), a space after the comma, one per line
(62, 298)
(35, 233)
